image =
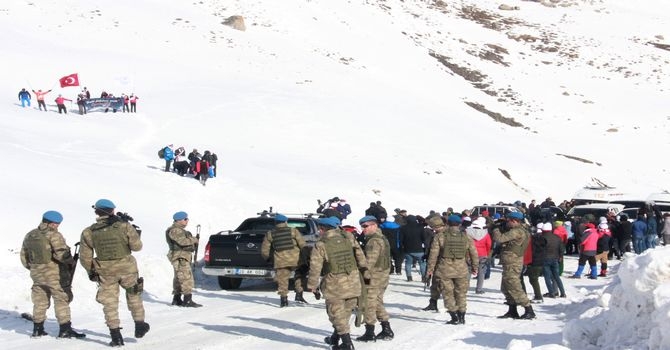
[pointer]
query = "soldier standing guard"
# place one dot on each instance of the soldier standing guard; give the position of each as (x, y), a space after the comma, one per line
(341, 258)
(45, 253)
(513, 245)
(182, 245)
(112, 241)
(378, 255)
(448, 260)
(286, 243)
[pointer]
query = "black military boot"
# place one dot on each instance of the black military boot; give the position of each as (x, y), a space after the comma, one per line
(333, 339)
(66, 331)
(461, 317)
(117, 338)
(346, 342)
(38, 330)
(176, 300)
(369, 334)
(432, 305)
(188, 301)
(511, 313)
(299, 298)
(454, 318)
(386, 333)
(141, 328)
(283, 301)
(529, 314)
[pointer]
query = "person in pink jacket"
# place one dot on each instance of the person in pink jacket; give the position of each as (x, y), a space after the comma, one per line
(60, 102)
(39, 94)
(588, 249)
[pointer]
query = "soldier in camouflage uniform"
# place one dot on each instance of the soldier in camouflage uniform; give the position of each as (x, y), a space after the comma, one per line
(339, 256)
(450, 254)
(434, 222)
(47, 256)
(378, 255)
(513, 245)
(182, 245)
(112, 241)
(286, 243)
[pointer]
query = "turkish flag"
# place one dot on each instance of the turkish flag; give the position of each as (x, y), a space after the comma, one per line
(69, 80)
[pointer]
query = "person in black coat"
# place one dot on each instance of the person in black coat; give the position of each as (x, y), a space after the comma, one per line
(413, 239)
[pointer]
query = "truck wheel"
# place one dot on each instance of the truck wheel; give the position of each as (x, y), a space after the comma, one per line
(229, 283)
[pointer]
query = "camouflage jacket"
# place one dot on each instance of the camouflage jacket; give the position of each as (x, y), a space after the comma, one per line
(60, 254)
(512, 242)
(126, 265)
(447, 267)
(181, 243)
(342, 286)
(283, 258)
(377, 252)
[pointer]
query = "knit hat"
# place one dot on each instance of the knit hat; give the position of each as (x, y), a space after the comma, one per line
(496, 216)
(180, 215)
(547, 227)
(366, 219)
(280, 218)
(104, 204)
(480, 222)
(603, 226)
(330, 221)
(52, 216)
(602, 220)
(435, 221)
(485, 213)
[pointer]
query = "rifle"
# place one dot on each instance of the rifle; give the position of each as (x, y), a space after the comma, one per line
(362, 302)
(67, 285)
(195, 246)
(426, 283)
(75, 257)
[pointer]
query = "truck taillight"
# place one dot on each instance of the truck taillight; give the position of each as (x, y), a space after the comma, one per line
(207, 253)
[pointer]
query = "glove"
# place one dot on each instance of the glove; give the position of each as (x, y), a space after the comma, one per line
(317, 295)
(93, 276)
(69, 261)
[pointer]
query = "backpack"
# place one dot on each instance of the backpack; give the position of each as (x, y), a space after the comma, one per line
(161, 153)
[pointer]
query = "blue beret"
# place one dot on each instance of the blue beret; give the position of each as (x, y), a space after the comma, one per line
(104, 204)
(330, 221)
(367, 218)
(180, 215)
(53, 216)
(515, 215)
(454, 218)
(280, 218)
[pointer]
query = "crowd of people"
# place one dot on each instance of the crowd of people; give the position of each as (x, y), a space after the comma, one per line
(129, 101)
(200, 166)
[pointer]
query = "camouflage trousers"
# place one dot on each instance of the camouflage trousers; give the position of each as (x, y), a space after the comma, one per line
(339, 313)
(282, 276)
(375, 310)
(511, 285)
(454, 291)
(41, 295)
(108, 296)
(183, 282)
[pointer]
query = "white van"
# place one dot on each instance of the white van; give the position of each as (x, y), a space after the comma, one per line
(661, 201)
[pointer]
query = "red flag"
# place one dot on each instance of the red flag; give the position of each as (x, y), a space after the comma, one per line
(69, 80)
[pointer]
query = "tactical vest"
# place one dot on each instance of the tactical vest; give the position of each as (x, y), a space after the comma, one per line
(384, 260)
(519, 249)
(340, 255)
(109, 241)
(454, 245)
(282, 239)
(38, 247)
(173, 246)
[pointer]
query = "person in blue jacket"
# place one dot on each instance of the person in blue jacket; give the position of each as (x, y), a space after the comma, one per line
(24, 97)
(392, 232)
(168, 155)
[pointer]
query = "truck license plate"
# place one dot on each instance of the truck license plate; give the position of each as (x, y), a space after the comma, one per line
(250, 272)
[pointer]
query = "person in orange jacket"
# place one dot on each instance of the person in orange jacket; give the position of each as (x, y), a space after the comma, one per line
(39, 95)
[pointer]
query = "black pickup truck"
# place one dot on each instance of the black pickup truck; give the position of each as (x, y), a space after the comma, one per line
(236, 255)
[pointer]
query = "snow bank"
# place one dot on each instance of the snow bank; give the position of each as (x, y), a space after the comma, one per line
(632, 312)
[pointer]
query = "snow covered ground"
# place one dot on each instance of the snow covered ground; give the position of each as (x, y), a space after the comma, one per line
(366, 100)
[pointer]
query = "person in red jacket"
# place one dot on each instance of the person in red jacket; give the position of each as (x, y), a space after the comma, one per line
(588, 248)
(562, 233)
(60, 102)
(480, 235)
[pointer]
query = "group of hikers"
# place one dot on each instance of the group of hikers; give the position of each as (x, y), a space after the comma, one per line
(201, 166)
(129, 101)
